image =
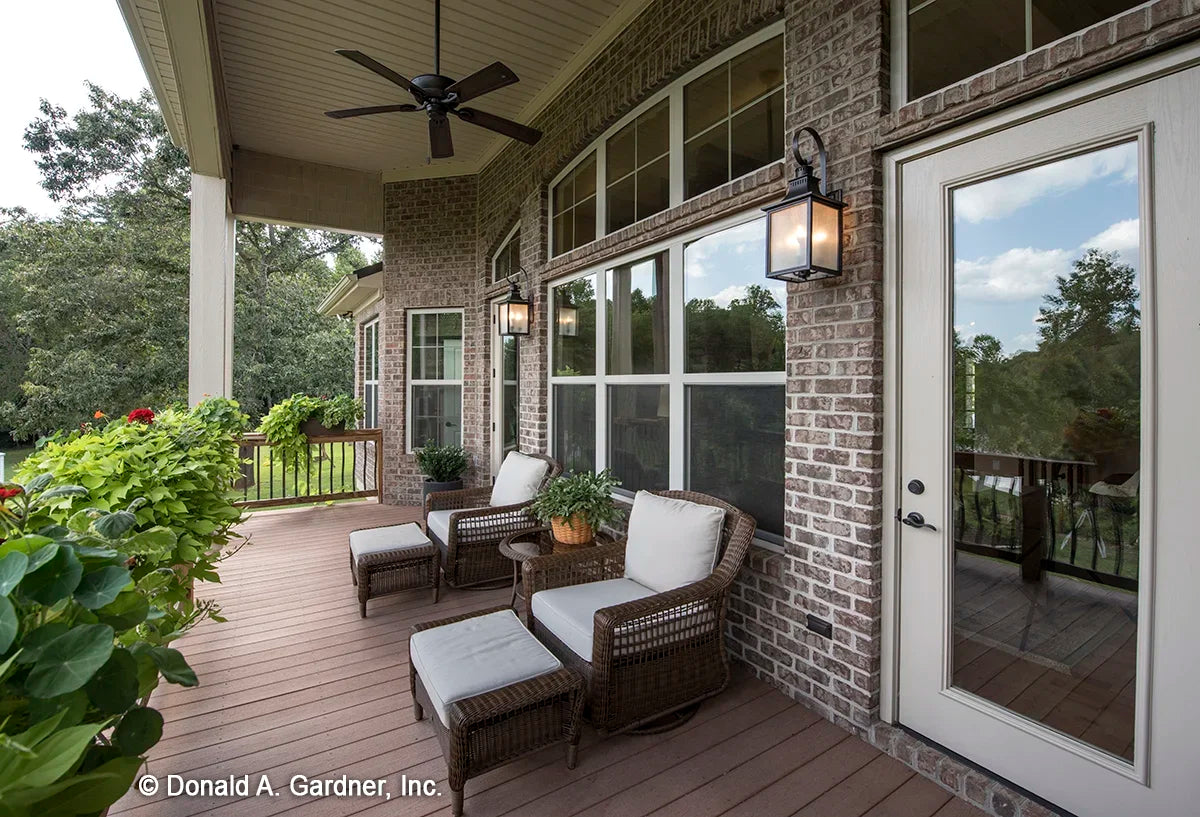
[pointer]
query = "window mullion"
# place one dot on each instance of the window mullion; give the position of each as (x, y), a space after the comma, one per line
(601, 188)
(601, 361)
(676, 359)
(675, 146)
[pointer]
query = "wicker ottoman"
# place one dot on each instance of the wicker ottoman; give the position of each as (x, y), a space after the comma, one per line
(495, 691)
(392, 558)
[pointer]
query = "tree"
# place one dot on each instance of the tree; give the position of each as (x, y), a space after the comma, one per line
(93, 302)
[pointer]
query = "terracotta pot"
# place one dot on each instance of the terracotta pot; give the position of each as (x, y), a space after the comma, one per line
(573, 532)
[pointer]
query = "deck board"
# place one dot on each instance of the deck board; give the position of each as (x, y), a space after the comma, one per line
(297, 683)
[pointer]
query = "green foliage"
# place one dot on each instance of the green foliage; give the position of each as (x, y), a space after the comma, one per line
(162, 489)
(93, 303)
(281, 425)
(583, 494)
(72, 735)
(222, 412)
(442, 463)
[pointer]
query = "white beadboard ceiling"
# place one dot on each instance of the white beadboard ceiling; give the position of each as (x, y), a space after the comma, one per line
(281, 74)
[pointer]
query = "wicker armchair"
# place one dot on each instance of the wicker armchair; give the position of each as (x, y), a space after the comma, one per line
(471, 550)
(652, 656)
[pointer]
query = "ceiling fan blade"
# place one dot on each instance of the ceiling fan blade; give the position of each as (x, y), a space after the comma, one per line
(348, 112)
(483, 81)
(383, 71)
(499, 124)
(441, 146)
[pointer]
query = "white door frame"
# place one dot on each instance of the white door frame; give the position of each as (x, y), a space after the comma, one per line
(1144, 71)
(496, 361)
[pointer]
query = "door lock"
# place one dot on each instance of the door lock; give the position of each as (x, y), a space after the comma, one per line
(913, 520)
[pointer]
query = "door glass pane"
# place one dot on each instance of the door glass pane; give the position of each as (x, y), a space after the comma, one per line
(437, 415)
(1045, 466)
(735, 448)
(575, 426)
(638, 436)
(575, 354)
(733, 317)
(637, 317)
(508, 392)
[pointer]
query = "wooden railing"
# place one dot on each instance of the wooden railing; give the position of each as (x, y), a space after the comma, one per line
(335, 466)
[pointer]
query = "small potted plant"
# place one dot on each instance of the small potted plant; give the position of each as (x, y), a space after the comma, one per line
(443, 467)
(578, 505)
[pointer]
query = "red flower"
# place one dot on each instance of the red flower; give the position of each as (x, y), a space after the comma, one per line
(1105, 413)
(141, 415)
(9, 493)
(98, 415)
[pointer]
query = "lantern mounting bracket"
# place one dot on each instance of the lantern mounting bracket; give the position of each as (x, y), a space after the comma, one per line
(806, 181)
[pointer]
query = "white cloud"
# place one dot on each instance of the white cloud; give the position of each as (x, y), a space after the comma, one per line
(1121, 237)
(728, 294)
(1006, 195)
(739, 240)
(1014, 275)
(1025, 342)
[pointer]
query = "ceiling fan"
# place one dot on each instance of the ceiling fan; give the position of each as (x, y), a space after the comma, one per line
(438, 96)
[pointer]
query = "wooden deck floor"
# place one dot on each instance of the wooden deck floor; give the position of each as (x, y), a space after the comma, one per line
(297, 684)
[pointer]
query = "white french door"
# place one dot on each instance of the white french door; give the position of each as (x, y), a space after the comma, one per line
(1048, 462)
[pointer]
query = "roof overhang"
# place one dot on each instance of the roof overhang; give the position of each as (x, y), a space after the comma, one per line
(354, 292)
(240, 76)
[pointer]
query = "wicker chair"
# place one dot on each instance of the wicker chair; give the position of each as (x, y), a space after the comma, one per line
(471, 553)
(652, 656)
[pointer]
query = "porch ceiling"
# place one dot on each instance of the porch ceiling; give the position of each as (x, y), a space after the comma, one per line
(280, 74)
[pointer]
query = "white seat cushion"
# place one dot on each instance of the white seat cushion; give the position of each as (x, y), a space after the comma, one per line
(439, 523)
(569, 612)
(392, 537)
(672, 542)
(518, 480)
(476, 655)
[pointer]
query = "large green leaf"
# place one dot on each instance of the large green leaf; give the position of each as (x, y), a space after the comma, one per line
(170, 663)
(139, 729)
(33, 644)
(41, 556)
(115, 525)
(54, 756)
(62, 491)
(12, 569)
(114, 687)
(67, 662)
(128, 610)
(8, 624)
(101, 587)
(55, 580)
(93, 792)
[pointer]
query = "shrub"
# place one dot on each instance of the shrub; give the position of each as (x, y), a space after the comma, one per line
(82, 644)
(180, 469)
(442, 463)
(223, 412)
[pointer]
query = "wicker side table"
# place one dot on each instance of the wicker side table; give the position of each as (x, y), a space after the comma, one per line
(523, 546)
(392, 558)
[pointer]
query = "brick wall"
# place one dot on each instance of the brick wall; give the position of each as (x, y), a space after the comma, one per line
(430, 259)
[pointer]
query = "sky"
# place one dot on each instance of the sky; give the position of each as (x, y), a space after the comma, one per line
(89, 42)
(1014, 234)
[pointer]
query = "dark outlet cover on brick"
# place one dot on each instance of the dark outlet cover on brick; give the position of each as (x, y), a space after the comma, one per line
(820, 626)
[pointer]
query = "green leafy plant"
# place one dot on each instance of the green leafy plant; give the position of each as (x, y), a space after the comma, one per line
(341, 410)
(80, 652)
(168, 484)
(282, 424)
(224, 413)
(584, 496)
(442, 463)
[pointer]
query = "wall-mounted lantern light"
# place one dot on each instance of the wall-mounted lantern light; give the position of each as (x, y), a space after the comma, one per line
(567, 316)
(804, 231)
(514, 313)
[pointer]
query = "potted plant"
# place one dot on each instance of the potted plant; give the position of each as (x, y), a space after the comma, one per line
(291, 421)
(334, 416)
(578, 505)
(443, 467)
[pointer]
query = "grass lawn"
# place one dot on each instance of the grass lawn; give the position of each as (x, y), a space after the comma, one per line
(13, 458)
(329, 469)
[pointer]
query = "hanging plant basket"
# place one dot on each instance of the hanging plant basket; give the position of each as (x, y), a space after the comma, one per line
(312, 427)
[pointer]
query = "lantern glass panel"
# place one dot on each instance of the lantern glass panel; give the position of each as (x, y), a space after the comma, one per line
(789, 237)
(568, 321)
(825, 236)
(514, 318)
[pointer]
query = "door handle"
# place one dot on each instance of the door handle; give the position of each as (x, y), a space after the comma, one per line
(914, 520)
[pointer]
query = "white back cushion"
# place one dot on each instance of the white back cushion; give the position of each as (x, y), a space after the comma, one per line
(672, 542)
(518, 480)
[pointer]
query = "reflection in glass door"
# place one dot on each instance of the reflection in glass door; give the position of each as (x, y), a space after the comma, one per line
(505, 394)
(1045, 465)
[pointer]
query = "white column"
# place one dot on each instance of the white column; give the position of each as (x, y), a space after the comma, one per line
(210, 293)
